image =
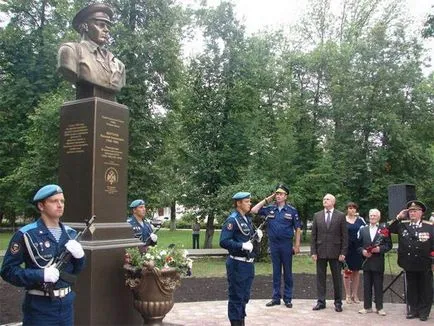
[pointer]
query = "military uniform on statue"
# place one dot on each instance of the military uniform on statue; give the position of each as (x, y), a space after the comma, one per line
(415, 256)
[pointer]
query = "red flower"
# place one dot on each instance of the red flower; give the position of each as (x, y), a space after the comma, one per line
(432, 253)
(384, 232)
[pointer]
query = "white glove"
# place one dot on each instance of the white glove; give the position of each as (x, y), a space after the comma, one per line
(75, 248)
(247, 246)
(51, 274)
(259, 234)
(153, 237)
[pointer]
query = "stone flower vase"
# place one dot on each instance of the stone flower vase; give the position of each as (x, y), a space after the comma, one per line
(152, 290)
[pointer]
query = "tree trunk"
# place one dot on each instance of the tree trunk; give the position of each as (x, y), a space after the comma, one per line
(209, 232)
(173, 216)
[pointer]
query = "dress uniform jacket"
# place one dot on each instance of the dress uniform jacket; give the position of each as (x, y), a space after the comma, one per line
(141, 232)
(93, 64)
(36, 247)
(415, 244)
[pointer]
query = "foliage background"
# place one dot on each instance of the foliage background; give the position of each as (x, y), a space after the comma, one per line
(337, 103)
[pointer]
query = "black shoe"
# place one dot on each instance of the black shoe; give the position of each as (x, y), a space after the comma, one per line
(236, 323)
(272, 303)
(423, 318)
(411, 316)
(338, 308)
(288, 304)
(319, 306)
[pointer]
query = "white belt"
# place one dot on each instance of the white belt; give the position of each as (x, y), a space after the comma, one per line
(57, 293)
(247, 260)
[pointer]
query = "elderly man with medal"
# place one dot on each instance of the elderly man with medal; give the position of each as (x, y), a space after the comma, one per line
(416, 257)
(237, 236)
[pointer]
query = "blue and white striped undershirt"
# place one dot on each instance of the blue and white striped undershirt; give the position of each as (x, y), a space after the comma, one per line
(56, 232)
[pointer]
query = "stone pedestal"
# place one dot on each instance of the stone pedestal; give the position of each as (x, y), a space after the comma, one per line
(93, 175)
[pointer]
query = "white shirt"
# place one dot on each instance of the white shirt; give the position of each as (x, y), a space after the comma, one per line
(373, 231)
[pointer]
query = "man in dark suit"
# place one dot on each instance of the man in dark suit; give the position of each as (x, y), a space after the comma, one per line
(416, 257)
(329, 245)
(374, 242)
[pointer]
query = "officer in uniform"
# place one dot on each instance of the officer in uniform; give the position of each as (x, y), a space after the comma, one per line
(142, 228)
(283, 221)
(237, 236)
(415, 256)
(30, 257)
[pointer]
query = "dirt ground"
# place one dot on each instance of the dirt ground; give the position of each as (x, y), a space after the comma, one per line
(204, 289)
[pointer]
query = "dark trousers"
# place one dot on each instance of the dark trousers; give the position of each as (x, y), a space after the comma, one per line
(375, 280)
(321, 277)
(43, 311)
(196, 241)
(419, 292)
(281, 256)
(240, 278)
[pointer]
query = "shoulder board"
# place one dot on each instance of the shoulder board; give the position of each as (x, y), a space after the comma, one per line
(29, 227)
(129, 219)
(233, 215)
(405, 221)
(427, 222)
(290, 206)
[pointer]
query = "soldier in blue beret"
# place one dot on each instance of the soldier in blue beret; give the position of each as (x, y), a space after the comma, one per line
(142, 228)
(36, 246)
(282, 223)
(237, 232)
(416, 257)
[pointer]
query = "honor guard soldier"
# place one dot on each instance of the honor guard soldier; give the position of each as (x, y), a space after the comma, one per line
(142, 228)
(283, 223)
(237, 236)
(415, 256)
(30, 257)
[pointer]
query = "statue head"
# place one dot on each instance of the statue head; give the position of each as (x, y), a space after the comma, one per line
(93, 23)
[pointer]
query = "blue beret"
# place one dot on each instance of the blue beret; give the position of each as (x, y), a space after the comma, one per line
(136, 203)
(241, 195)
(47, 191)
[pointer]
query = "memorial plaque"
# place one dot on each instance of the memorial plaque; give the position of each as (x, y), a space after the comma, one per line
(93, 159)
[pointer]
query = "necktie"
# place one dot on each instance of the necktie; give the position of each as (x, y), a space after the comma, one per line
(328, 218)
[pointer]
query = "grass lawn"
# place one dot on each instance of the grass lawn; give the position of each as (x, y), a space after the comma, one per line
(215, 267)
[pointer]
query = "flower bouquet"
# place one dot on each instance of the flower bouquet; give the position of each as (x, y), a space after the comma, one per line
(383, 233)
(347, 271)
(153, 276)
(161, 259)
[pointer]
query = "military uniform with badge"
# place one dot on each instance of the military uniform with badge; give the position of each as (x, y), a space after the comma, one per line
(236, 235)
(415, 256)
(29, 262)
(283, 222)
(142, 228)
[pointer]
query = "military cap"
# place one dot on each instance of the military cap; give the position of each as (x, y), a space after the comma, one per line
(136, 203)
(416, 204)
(98, 11)
(241, 195)
(46, 191)
(282, 188)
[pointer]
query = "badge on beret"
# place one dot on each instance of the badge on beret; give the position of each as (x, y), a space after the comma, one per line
(15, 248)
(230, 226)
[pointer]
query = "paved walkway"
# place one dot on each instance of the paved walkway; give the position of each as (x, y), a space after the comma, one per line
(214, 313)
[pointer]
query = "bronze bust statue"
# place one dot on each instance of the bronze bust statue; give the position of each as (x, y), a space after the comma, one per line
(94, 69)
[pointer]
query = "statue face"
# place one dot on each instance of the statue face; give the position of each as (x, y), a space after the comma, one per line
(98, 31)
